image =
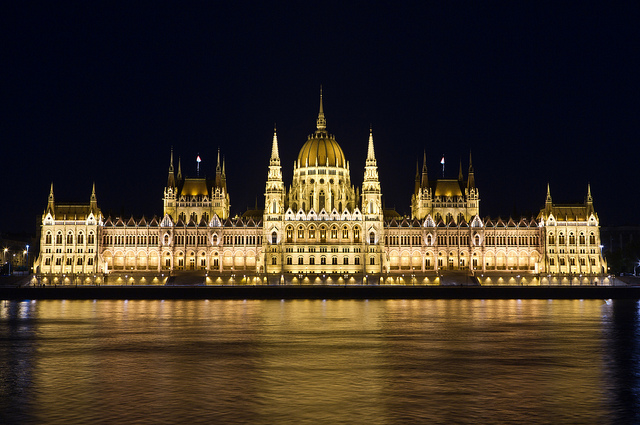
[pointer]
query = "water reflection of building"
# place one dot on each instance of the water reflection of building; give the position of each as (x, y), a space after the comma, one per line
(323, 227)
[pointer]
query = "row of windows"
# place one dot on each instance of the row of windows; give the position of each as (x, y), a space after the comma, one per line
(572, 239)
(572, 261)
(130, 240)
(323, 261)
(68, 261)
(322, 232)
(69, 239)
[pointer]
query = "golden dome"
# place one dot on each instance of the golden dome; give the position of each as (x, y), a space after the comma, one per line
(323, 150)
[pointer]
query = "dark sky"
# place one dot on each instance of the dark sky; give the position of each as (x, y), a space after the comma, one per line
(539, 93)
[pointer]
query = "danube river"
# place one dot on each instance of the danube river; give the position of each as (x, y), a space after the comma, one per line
(320, 362)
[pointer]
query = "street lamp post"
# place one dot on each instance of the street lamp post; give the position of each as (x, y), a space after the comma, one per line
(28, 267)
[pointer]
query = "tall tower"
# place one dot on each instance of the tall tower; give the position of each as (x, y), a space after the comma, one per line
(171, 191)
(372, 211)
(273, 224)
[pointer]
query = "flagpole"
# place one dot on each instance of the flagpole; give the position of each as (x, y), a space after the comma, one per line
(198, 166)
(442, 162)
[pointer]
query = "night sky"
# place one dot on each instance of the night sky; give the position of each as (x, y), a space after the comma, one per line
(538, 92)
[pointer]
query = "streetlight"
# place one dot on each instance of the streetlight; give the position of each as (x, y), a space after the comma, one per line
(4, 259)
(28, 268)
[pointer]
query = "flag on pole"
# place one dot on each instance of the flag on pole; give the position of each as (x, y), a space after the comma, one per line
(199, 160)
(442, 160)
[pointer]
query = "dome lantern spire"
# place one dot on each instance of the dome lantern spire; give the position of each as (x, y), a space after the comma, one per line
(321, 123)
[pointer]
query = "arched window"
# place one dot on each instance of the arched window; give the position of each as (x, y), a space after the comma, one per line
(356, 234)
(552, 239)
(289, 234)
(274, 207)
(572, 239)
(165, 240)
(582, 239)
(48, 238)
(372, 261)
(274, 260)
(476, 240)
(345, 232)
(214, 239)
(323, 260)
(91, 238)
(334, 232)
(429, 240)
(370, 207)
(69, 238)
(300, 232)
(274, 237)
(561, 239)
(372, 237)
(312, 232)
(592, 238)
(80, 238)
(321, 200)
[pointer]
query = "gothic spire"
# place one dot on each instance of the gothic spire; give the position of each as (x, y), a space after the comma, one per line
(471, 182)
(50, 205)
(425, 178)
(93, 202)
(275, 154)
(321, 123)
(171, 180)
(218, 162)
(370, 151)
(460, 176)
(589, 198)
(179, 170)
(548, 200)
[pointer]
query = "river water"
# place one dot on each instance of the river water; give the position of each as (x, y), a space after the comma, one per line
(327, 362)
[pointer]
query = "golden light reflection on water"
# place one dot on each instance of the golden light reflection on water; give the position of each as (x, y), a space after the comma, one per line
(399, 361)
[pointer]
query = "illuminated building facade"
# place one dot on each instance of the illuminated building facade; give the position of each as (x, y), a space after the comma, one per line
(322, 227)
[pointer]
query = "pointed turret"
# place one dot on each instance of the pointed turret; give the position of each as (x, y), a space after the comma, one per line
(218, 171)
(93, 201)
(179, 176)
(171, 180)
(589, 199)
(371, 155)
(471, 181)
(321, 123)
(51, 203)
(425, 178)
(275, 154)
(460, 176)
(548, 203)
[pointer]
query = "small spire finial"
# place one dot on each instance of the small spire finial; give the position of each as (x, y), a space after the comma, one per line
(589, 198)
(321, 123)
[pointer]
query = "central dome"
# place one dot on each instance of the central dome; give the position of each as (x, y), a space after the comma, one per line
(323, 150)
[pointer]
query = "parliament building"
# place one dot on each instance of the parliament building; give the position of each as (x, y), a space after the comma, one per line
(320, 229)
